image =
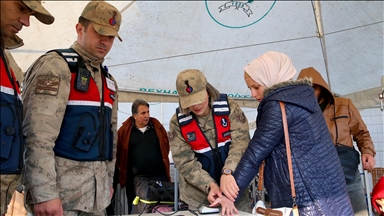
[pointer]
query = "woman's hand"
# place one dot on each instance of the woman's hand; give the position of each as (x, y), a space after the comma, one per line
(229, 187)
(227, 206)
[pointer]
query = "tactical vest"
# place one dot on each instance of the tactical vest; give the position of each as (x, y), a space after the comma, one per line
(11, 109)
(86, 131)
(211, 159)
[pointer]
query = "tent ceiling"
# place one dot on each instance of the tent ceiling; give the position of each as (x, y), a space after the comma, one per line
(163, 38)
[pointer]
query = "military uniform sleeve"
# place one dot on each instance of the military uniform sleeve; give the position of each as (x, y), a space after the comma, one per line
(185, 160)
(111, 164)
(360, 131)
(239, 135)
(45, 96)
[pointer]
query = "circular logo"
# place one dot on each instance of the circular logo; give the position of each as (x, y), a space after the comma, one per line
(238, 14)
(112, 22)
(224, 122)
(189, 89)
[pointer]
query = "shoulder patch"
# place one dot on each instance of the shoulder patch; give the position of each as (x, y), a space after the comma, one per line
(241, 117)
(171, 136)
(47, 84)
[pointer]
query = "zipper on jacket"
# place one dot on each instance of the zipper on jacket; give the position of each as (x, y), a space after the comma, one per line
(103, 143)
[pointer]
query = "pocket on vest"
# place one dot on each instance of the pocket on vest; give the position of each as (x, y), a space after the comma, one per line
(86, 133)
(8, 130)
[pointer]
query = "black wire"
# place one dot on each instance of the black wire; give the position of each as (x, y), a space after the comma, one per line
(113, 202)
(145, 205)
(193, 211)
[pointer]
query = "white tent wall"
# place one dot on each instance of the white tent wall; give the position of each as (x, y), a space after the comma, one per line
(161, 38)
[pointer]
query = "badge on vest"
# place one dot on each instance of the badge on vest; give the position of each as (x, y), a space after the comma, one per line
(191, 136)
(110, 84)
(112, 96)
(228, 133)
(224, 122)
(82, 79)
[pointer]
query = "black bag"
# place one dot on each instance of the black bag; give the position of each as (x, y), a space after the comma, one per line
(349, 159)
(150, 193)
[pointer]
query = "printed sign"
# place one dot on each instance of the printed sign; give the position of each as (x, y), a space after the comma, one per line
(238, 14)
(174, 92)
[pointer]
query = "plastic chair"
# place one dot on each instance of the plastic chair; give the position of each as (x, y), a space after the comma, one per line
(376, 173)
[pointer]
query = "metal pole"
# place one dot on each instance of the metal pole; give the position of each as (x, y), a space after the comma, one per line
(176, 195)
(367, 191)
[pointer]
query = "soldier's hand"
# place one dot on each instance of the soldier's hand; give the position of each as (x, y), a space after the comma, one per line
(51, 208)
(111, 192)
(214, 192)
(229, 187)
(368, 162)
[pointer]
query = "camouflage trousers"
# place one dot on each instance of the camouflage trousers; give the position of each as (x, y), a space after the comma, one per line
(7, 188)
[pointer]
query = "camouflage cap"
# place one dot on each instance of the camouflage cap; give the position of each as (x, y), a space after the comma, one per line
(40, 12)
(191, 85)
(105, 18)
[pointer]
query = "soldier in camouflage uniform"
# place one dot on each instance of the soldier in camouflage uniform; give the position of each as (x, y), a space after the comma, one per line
(208, 136)
(70, 122)
(14, 15)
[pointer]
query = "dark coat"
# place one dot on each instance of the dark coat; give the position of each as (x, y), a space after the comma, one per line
(123, 136)
(318, 177)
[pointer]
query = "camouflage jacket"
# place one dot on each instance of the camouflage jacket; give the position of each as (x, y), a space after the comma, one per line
(194, 180)
(83, 186)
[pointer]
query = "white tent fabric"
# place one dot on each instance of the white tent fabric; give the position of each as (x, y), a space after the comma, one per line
(162, 38)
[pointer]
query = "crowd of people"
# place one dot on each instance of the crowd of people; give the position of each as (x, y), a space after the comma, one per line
(62, 146)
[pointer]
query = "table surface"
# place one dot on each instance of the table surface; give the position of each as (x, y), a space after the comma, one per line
(187, 213)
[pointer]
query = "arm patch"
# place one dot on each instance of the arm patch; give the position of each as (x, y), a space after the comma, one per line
(240, 117)
(48, 85)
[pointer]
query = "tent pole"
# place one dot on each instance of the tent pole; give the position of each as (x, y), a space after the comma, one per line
(320, 35)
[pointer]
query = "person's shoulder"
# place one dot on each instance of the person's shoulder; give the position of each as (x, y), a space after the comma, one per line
(51, 58)
(232, 102)
(233, 105)
(173, 119)
(154, 121)
(341, 101)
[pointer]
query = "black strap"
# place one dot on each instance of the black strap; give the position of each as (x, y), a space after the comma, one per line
(157, 194)
(72, 58)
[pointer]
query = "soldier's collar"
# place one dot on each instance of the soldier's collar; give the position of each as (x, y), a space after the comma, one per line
(87, 57)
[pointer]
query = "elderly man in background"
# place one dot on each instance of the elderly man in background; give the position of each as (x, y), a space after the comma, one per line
(139, 133)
